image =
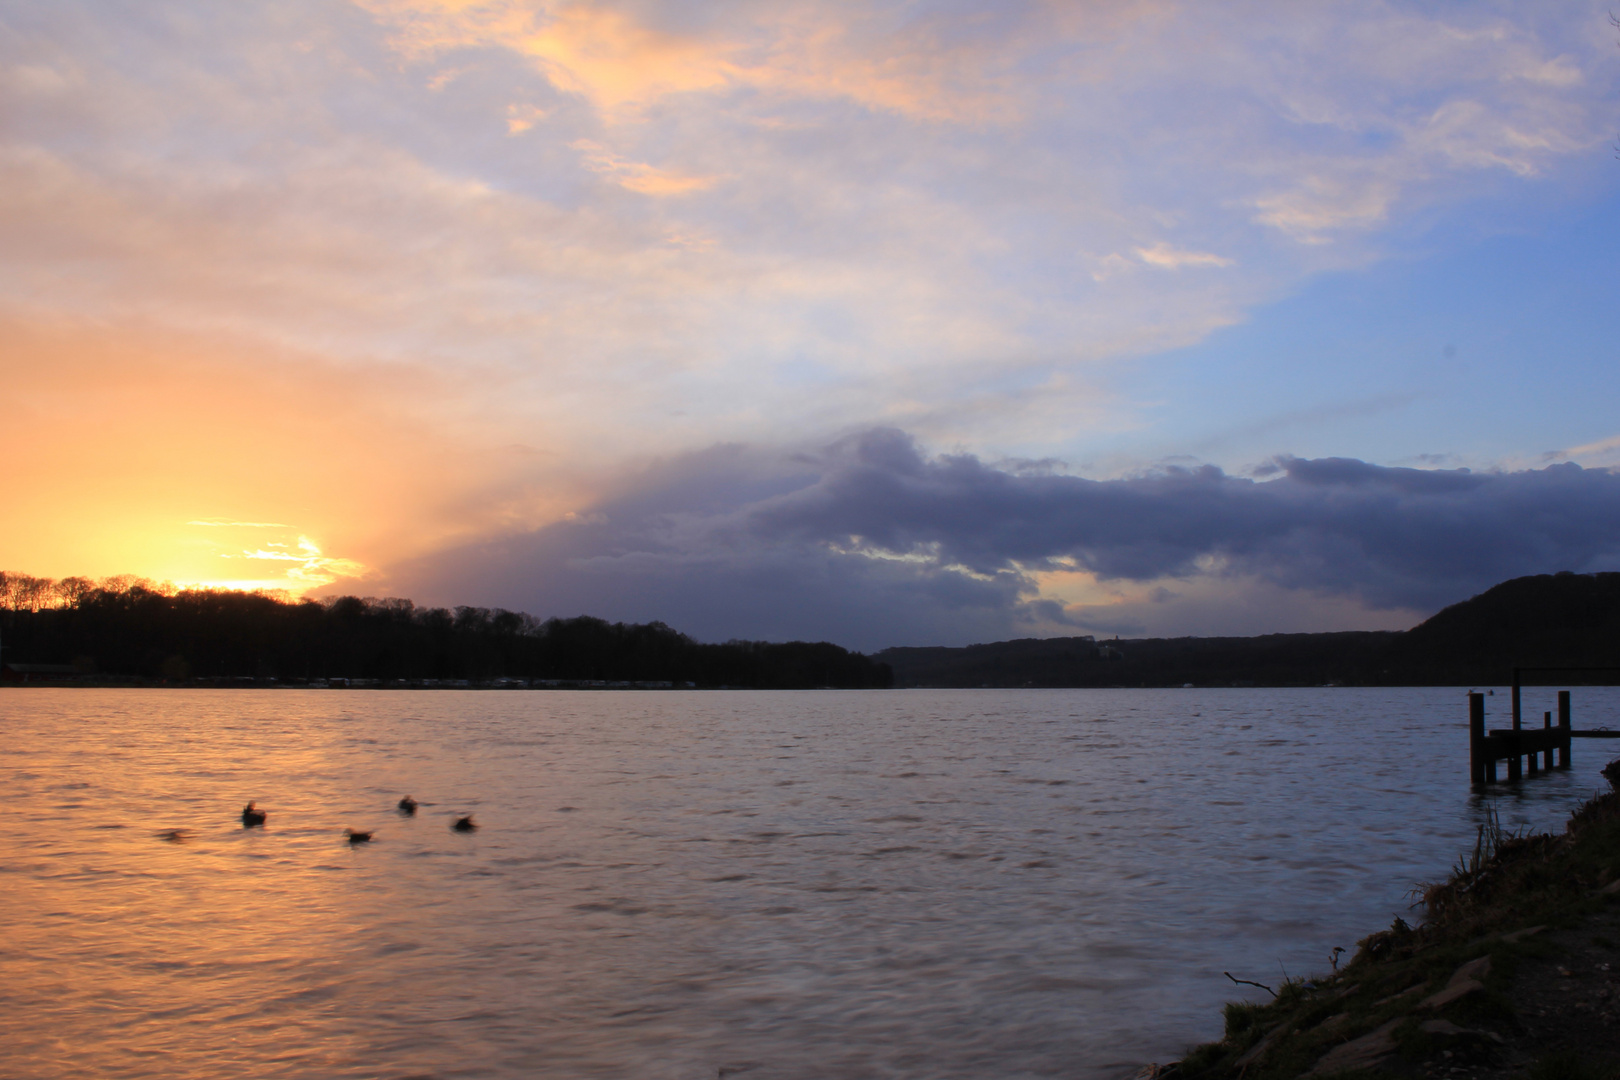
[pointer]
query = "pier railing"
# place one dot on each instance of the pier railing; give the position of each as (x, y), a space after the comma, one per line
(1519, 745)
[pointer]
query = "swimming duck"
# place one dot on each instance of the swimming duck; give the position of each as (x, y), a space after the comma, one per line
(251, 817)
(357, 837)
(465, 824)
(407, 806)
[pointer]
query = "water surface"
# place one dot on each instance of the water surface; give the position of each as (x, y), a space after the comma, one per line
(687, 885)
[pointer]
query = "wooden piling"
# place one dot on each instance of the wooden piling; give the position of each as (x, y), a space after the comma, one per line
(1476, 739)
(1515, 762)
(1563, 727)
(1547, 748)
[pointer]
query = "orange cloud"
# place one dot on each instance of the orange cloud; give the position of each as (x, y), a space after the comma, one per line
(1165, 257)
(637, 176)
(590, 50)
(621, 64)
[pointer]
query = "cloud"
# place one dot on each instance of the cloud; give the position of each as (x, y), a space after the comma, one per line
(625, 59)
(1602, 451)
(314, 568)
(396, 238)
(847, 213)
(1166, 257)
(520, 118)
(893, 545)
(638, 176)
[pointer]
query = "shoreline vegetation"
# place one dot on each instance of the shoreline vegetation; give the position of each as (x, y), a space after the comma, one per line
(1514, 973)
(132, 632)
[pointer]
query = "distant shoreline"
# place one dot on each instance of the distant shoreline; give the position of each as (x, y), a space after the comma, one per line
(136, 636)
(94, 683)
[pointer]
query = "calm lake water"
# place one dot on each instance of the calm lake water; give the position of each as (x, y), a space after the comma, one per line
(989, 884)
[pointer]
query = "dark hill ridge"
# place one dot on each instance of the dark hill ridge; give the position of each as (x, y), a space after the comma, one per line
(1551, 619)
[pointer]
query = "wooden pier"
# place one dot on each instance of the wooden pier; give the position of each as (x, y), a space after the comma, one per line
(1519, 746)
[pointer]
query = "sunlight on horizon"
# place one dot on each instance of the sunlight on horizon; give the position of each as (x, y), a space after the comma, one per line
(302, 564)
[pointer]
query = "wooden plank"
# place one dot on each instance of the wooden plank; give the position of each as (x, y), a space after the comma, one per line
(1525, 740)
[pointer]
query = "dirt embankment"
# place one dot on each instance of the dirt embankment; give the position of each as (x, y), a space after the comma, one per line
(1515, 973)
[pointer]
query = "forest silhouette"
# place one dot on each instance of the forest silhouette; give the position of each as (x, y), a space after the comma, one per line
(133, 628)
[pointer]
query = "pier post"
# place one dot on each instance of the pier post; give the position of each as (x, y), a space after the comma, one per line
(1515, 762)
(1476, 739)
(1563, 726)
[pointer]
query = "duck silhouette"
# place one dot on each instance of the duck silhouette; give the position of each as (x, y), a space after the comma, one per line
(357, 837)
(465, 824)
(407, 806)
(252, 817)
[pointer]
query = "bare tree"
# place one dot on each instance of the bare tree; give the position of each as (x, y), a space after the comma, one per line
(24, 592)
(71, 591)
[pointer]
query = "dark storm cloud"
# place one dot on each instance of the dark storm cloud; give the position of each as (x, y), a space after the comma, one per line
(871, 540)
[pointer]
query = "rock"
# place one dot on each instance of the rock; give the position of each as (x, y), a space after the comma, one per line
(1363, 1053)
(1332, 1021)
(1381, 1002)
(1464, 981)
(1612, 887)
(1446, 1027)
(1529, 931)
(1258, 1050)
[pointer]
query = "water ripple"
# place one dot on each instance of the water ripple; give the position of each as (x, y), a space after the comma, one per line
(683, 885)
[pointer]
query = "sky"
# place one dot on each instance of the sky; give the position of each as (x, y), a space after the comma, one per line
(881, 323)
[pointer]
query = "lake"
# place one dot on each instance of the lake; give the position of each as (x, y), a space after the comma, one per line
(1038, 883)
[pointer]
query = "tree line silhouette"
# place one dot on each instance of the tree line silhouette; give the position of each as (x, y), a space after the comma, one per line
(135, 628)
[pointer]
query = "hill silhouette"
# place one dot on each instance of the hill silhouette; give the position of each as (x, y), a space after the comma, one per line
(1547, 620)
(1551, 619)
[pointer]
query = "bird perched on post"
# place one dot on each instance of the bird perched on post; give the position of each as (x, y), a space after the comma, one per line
(407, 806)
(251, 817)
(465, 824)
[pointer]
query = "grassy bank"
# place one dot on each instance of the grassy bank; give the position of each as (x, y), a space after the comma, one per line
(1513, 972)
